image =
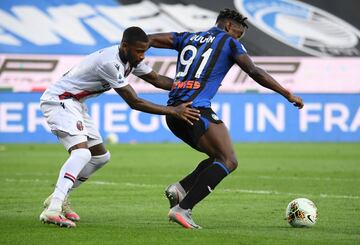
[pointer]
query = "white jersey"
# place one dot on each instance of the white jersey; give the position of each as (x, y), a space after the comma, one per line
(97, 73)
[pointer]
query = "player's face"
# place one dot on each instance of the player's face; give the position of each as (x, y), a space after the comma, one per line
(136, 52)
(236, 30)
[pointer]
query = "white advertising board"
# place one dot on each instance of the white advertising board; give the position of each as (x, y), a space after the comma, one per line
(24, 73)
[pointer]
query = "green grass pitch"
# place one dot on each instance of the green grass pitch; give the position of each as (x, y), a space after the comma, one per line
(123, 203)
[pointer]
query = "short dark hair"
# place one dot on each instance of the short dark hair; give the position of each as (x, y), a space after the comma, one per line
(134, 34)
(232, 15)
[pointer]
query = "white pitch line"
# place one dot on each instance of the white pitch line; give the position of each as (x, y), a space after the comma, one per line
(263, 192)
(233, 176)
(256, 192)
(303, 178)
(27, 180)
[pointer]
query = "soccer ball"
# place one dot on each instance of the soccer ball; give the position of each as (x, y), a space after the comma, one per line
(112, 138)
(301, 212)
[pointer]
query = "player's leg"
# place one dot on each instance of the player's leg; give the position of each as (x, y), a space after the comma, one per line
(99, 157)
(190, 179)
(190, 135)
(73, 135)
(176, 192)
(79, 156)
(217, 144)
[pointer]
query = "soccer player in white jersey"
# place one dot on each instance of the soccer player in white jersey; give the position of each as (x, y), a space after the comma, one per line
(63, 107)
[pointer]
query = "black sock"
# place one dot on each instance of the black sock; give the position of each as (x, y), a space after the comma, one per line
(205, 184)
(190, 180)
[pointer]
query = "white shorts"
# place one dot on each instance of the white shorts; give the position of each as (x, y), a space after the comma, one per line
(69, 121)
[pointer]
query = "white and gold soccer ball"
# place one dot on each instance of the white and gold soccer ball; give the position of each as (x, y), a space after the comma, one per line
(301, 212)
(112, 138)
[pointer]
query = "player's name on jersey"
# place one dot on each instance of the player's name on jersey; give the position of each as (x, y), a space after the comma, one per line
(201, 39)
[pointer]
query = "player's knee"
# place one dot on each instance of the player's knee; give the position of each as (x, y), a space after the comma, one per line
(82, 153)
(106, 157)
(101, 160)
(231, 163)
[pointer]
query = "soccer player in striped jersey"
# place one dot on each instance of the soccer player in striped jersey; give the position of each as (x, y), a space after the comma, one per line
(204, 58)
(63, 105)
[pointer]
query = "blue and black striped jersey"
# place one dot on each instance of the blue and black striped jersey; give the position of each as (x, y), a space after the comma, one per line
(204, 59)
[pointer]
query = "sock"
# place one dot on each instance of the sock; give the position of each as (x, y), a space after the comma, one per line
(95, 163)
(205, 184)
(189, 180)
(71, 168)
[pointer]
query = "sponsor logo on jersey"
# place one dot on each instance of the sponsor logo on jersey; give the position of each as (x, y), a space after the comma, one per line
(186, 85)
(302, 26)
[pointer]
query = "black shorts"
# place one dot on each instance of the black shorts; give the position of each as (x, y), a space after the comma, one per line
(191, 134)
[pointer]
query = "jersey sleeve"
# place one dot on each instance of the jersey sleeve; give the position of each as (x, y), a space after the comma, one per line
(142, 69)
(237, 48)
(110, 73)
(178, 38)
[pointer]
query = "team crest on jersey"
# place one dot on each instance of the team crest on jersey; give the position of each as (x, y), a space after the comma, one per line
(80, 125)
(302, 26)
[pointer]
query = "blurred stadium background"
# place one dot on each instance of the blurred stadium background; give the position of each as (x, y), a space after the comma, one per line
(311, 47)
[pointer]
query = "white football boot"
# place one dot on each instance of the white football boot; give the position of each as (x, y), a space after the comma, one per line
(66, 208)
(56, 217)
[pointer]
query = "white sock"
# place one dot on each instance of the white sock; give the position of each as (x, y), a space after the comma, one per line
(68, 173)
(91, 167)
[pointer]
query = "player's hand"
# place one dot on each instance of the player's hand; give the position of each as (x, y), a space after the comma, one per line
(184, 112)
(296, 101)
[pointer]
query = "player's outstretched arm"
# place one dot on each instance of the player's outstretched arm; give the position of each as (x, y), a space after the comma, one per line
(182, 111)
(161, 40)
(158, 80)
(264, 79)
